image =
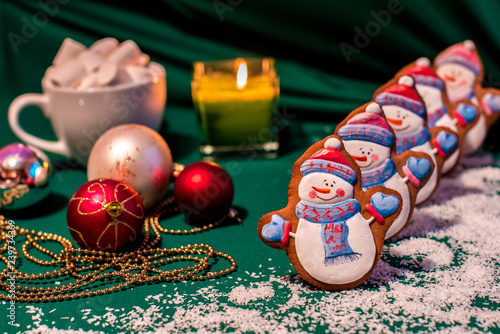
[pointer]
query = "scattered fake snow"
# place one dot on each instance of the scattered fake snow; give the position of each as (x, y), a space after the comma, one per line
(441, 274)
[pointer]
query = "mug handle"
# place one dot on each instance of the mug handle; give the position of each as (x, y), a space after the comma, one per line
(15, 109)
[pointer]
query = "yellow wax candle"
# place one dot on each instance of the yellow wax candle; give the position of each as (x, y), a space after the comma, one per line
(233, 116)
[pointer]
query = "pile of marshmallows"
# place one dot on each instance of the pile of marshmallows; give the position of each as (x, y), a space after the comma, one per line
(105, 63)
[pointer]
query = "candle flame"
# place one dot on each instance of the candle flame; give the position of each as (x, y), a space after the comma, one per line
(242, 74)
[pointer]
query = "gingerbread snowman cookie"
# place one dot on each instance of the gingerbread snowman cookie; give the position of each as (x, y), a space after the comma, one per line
(406, 114)
(370, 141)
(461, 68)
(332, 230)
(459, 116)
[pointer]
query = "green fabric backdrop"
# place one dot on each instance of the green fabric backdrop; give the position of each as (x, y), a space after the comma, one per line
(319, 86)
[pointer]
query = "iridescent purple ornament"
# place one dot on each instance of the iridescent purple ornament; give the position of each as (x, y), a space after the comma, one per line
(23, 170)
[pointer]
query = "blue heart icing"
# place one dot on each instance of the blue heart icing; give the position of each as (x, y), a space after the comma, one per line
(446, 141)
(385, 205)
(419, 167)
(273, 231)
(467, 112)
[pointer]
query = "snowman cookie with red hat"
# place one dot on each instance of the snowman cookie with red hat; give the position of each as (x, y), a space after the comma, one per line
(459, 116)
(406, 114)
(332, 230)
(370, 141)
(461, 68)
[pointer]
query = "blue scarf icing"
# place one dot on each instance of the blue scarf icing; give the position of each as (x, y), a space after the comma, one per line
(378, 175)
(436, 115)
(409, 141)
(334, 230)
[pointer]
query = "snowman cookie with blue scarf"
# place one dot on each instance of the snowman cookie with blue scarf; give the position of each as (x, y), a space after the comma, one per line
(461, 69)
(371, 142)
(460, 116)
(406, 114)
(332, 230)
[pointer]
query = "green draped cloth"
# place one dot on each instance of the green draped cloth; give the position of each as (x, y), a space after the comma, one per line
(331, 56)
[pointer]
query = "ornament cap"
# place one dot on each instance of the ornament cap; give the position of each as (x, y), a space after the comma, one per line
(177, 169)
(114, 209)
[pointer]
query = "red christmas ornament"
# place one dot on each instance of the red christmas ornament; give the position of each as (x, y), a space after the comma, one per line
(105, 215)
(203, 191)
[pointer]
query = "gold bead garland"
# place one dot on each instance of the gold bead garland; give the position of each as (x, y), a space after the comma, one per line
(10, 195)
(87, 267)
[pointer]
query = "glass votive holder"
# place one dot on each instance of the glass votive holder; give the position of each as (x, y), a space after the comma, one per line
(236, 103)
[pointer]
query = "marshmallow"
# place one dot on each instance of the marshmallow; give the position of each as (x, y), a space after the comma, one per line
(67, 74)
(88, 82)
(90, 60)
(104, 47)
(107, 73)
(122, 77)
(142, 60)
(139, 73)
(68, 51)
(110, 75)
(104, 63)
(127, 52)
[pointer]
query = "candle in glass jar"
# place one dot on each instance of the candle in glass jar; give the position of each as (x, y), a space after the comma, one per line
(236, 109)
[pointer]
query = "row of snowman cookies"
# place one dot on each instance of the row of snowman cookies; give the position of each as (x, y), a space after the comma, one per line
(357, 188)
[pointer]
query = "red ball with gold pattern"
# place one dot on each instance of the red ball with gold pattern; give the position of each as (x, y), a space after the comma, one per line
(105, 215)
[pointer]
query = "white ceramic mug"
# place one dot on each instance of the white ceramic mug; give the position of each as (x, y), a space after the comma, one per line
(79, 117)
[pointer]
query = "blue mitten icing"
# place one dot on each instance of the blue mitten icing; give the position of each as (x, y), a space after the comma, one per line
(420, 168)
(273, 231)
(467, 112)
(447, 142)
(385, 205)
(492, 101)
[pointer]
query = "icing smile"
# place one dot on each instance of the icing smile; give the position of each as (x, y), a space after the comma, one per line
(324, 191)
(362, 159)
(327, 199)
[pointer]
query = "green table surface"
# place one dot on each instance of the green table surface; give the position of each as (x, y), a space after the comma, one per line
(448, 282)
